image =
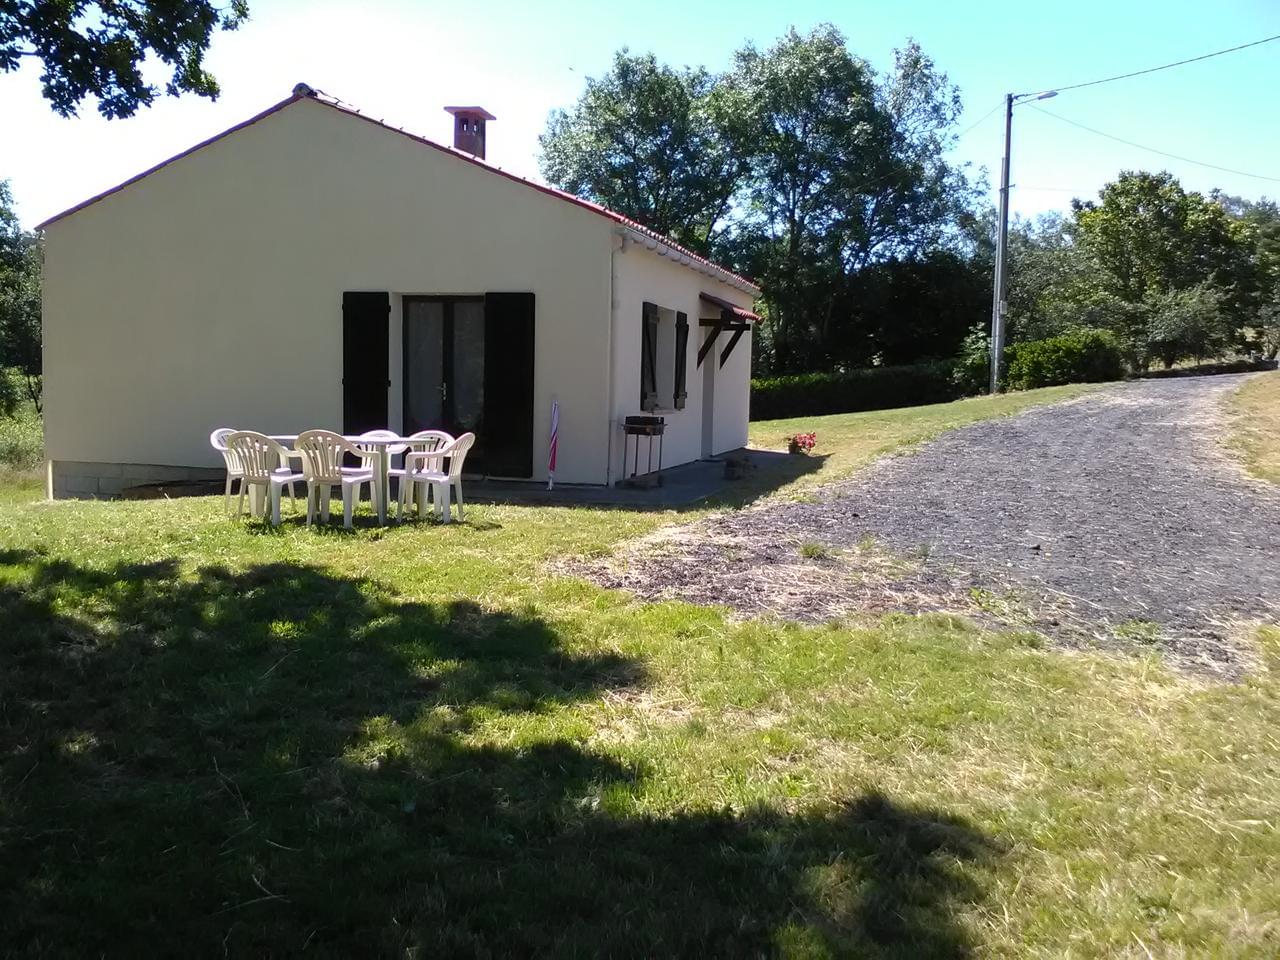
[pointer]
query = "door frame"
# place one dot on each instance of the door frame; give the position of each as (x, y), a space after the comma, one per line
(447, 301)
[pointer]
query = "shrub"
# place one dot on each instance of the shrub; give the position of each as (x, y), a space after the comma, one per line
(21, 432)
(1080, 356)
(971, 371)
(870, 388)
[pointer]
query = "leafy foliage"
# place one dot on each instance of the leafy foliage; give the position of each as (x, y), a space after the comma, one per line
(1081, 356)
(1187, 323)
(651, 142)
(21, 431)
(800, 166)
(900, 311)
(1149, 235)
(971, 371)
(20, 265)
(1174, 275)
(1269, 329)
(98, 48)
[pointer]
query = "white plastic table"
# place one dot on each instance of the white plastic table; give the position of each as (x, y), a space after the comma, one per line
(384, 447)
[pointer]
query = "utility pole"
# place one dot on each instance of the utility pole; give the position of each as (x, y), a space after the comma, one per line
(999, 306)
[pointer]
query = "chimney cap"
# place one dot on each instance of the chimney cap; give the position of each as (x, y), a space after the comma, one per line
(470, 112)
(303, 90)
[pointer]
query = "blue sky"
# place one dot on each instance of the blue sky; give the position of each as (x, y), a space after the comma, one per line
(402, 61)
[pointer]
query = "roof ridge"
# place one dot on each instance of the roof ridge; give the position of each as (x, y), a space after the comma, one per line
(303, 91)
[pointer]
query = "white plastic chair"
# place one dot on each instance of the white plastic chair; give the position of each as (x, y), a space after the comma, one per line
(425, 470)
(424, 441)
(322, 452)
(235, 473)
(259, 458)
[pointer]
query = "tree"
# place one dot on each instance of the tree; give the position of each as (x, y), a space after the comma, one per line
(1049, 280)
(19, 306)
(902, 311)
(1149, 236)
(1269, 329)
(1186, 323)
(800, 166)
(651, 142)
(844, 169)
(1173, 274)
(1260, 221)
(98, 48)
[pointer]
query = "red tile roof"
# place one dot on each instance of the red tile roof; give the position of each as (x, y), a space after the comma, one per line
(733, 308)
(303, 92)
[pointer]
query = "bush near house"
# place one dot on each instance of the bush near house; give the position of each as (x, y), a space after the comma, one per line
(871, 388)
(1080, 356)
(21, 431)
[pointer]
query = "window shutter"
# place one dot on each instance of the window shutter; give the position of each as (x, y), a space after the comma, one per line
(682, 358)
(506, 441)
(366, 374)
(649, 358)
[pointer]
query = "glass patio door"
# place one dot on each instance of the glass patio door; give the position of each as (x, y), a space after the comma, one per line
(444, 345)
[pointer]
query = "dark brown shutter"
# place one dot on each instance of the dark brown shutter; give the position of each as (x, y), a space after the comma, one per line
(505, 439)
(365, 369)
(649, 357)
(682, 358)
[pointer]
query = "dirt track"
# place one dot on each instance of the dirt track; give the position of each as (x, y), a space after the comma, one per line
(1117, 518)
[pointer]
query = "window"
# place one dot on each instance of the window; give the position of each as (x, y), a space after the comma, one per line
(664, 358)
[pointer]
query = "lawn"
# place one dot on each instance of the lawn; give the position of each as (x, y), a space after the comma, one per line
(217, 738)
(1255, 410)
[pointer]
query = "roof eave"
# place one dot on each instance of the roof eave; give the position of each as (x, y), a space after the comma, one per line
(685, 258)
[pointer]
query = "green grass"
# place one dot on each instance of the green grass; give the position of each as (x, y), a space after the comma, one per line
(1255, 417)
(220, 739)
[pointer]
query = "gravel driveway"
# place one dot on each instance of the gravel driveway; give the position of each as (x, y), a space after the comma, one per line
(1115, 518)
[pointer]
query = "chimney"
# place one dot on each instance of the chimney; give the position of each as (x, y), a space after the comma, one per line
(468, 129)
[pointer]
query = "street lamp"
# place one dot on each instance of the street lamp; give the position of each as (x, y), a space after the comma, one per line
(999, 307)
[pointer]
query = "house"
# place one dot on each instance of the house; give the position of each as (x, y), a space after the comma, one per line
(313, 267)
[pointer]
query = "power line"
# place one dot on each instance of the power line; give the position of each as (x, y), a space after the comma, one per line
(1163, 153)
(1166, 66)
(1034, 189)
(980, 121)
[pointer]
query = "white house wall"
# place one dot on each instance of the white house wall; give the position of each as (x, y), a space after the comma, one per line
(643, 275)
(210, 293)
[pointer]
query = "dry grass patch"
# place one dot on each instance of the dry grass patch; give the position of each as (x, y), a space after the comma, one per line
(1255, 425)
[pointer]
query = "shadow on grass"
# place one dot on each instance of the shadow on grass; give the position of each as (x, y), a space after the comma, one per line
(279, 759)
(688, 487)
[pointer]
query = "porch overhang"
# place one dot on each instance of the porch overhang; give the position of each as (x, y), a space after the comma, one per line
(738, 313)
(732, 318)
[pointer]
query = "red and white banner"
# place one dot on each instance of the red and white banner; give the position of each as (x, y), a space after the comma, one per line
(555, 440)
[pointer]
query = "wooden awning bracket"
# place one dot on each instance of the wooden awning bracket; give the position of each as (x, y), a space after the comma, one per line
(727, 322)
(733, 342)
(717, 326)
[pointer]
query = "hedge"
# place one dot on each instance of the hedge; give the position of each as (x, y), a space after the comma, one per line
(871, 388)
(1081, 356)
(1212, 369)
